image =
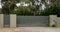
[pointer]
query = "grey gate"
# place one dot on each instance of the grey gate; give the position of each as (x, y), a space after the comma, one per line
(32, 21)
(6, 21)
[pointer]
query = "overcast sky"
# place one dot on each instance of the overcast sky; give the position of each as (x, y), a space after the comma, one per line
(0, 4)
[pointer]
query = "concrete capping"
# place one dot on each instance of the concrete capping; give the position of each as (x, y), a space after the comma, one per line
(1, 20)
(12, 20)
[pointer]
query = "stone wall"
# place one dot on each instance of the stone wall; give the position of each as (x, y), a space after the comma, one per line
(54, 20)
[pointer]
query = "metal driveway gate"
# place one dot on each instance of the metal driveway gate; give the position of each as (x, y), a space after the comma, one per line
(6, 20)
(32, 21)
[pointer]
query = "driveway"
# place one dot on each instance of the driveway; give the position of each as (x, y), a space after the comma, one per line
(30, 29)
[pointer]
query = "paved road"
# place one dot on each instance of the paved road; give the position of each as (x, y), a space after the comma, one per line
(30, 29)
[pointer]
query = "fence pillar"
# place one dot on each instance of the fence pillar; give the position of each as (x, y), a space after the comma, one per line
(12, 20)
(1, 20)
(53, 20)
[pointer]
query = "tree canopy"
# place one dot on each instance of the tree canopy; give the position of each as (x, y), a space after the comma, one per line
(9, 7)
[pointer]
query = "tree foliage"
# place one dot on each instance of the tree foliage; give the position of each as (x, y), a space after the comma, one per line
(9, 7)
(26, 11)
(53, 10)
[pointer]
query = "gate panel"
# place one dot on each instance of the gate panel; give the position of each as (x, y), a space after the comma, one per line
(6, 21)
(32, 21)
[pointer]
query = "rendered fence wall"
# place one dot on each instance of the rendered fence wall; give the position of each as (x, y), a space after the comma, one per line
(12, 20)
(1, 20)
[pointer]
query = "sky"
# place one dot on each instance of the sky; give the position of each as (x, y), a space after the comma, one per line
(0, 4)
(18, 4)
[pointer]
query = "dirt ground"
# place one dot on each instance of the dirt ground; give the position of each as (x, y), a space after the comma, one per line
(30, 29)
